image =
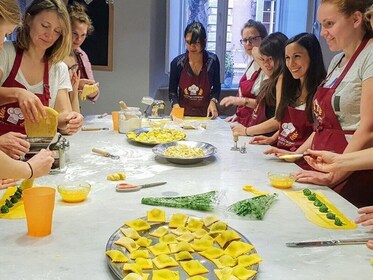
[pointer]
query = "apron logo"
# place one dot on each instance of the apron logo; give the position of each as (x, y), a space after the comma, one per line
(287, 128)
(15, 115)
(193, 90)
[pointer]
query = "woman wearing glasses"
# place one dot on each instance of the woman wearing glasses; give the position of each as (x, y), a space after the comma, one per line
(195, 76)
(248, 88)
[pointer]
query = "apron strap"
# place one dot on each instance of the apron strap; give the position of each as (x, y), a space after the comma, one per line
(16, 65)
(46, 91)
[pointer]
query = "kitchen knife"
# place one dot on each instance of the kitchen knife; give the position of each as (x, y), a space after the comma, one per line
(329, 242)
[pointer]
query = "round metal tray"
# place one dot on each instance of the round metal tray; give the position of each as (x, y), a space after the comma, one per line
(207, 148)
(148, 129)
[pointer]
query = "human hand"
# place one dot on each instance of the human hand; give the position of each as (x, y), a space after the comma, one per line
(366, 219)
(232, 100)
(14, 144)
(212, 111)
(231, 118)
(74, 122)
(30, 105)
(83, 82)
(41, 163)
(5, 183)
(314, 177)
(323, 160)
(75, 80)
(262, 140)
(279, 152)
(239, 129)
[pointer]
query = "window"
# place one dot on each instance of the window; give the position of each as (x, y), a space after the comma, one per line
(223, 20)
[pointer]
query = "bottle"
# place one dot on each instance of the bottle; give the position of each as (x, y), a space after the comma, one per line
(129, 119)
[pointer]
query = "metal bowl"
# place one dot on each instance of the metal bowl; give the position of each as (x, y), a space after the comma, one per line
(208, 149)
(145, 130)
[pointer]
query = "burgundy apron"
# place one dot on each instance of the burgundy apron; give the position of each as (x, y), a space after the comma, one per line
(258, 115)
(79, 60)
(294, 129)
(243, 113)
(330, 136)
(194, 91)
(11, 117)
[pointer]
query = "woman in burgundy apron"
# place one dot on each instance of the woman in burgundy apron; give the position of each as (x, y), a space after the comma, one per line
(12, 119)
(252, 34)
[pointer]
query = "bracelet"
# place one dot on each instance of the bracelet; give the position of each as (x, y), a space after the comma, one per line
(32, 171)
(246, 131)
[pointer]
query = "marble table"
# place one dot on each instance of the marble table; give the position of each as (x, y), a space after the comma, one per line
(76, 247)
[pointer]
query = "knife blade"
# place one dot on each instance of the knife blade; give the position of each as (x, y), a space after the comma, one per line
(153, 184)
(329, 242)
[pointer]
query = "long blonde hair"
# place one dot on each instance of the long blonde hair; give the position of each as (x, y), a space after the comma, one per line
(10, 12)
(61, 48)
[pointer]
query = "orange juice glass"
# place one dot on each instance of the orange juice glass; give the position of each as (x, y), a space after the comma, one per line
(115, 117)
(39, 206)
(177, 113)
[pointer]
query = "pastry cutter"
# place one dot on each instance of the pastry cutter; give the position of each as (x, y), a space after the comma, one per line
(104, 153)
(124, 187)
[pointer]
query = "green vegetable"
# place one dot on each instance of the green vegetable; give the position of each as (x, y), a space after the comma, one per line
(330, 215)
(4, 209)
(307, 192)
(312, 197)
(323, 208)
(18, 195)
(318, 203)
(202, 202)
(8, 203)
(255, 207)
(13, 199)
(338, 222)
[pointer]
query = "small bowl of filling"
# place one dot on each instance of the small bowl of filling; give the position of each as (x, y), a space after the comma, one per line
(281, 180)
(74, 192)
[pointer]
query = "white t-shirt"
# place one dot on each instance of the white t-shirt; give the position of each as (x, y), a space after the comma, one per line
(347, 96)
(59, 77)
(249, 72)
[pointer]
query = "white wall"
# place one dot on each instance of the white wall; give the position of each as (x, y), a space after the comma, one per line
(139, 40)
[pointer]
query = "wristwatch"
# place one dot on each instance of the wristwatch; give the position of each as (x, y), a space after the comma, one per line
(214, 100)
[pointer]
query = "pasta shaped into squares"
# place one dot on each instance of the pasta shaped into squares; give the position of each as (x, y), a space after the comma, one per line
(238, 248)
(163, 261)
(132, 267)
(182, 246)
(224, 261)
(242, 273)
(165, 274)
(248, 260)
(168, 239)
(159, 232)
(138, 224)
(139, 254)
(186, 237)
(180, 231)
(183, 256)
(117, 256)
(177, 220)
(218, 227)
(156, 215)
(193, 267)
(197, 277)
(144, 263)
(212, 253)
(144, 242)
(135, 276)
(202, 244)
(200, 233)
(128, 243)
(130, 232)
(194, 224)
(227, 236)
(209, 220)
(159, 248)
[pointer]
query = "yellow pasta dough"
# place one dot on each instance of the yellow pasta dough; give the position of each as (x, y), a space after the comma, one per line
(202, 244)
(200, 233)
(180, 230)
(197, 277)
(165, 274)
(186, 237)
(159, 232)
(45, 127)
(212, 253)
(224, 261)
(163, 261)
(144, 242)
(227, 236)
(156, 215)
(144, 263)
(138, 224)
(159, 248)
(128, 243)
(209, 220)
(194, 224)
(182, 246)
(139, 254)
(87, 90)
(238, 248)
(193, 267)
(130, 232)
(168, 239)
(183, 256)
(132, 267)
(218, 227)
(116, 176)
(177, 220)
(135, 276)
(117, 256)
(248, 260)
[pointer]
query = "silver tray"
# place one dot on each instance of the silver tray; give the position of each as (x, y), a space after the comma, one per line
(207, 148)
(117, 270)
(146, 129)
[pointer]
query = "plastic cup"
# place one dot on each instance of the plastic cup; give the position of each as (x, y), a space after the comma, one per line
(178, 113)
(39, 206)
(115, 117)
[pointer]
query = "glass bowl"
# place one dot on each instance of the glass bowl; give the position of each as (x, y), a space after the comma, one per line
(74, 192)
(281, 180)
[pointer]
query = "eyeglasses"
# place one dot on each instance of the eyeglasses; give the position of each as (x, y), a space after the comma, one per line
(74, 67)
(195, 43)
(250, 40)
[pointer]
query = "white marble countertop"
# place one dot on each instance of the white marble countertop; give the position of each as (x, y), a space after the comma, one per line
(76, 247)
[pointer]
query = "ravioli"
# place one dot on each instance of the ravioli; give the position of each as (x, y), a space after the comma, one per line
(128, 243)
(200, 233)
(117, 256)
(238, 248)
(212, 253)
(168, 239)
(186, 237)
(227, 236)
(163, 261)
(159, 232)
(209, 220)
(180, 230)
(182, 246)
(159, 248)
(183, 256)
(177, 220)
(224, 261)
(144, 263)
(138, 224)
(130, 233)
(135, 276)
(201, 244)
(197, 277)
(139, 254)
(193, 267)
(218, 227)
(156, 215)
(132, 267)
(165, 274)
(248, 260)
(194, 224)
(144, 242)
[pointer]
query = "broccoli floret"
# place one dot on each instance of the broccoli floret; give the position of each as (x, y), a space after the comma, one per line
(323, 208)
(330, 215)
(318, 203)
(4, 209)
(8, 203)
(14, 199)
(312, 197)
(307, 192)
(338, 222)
